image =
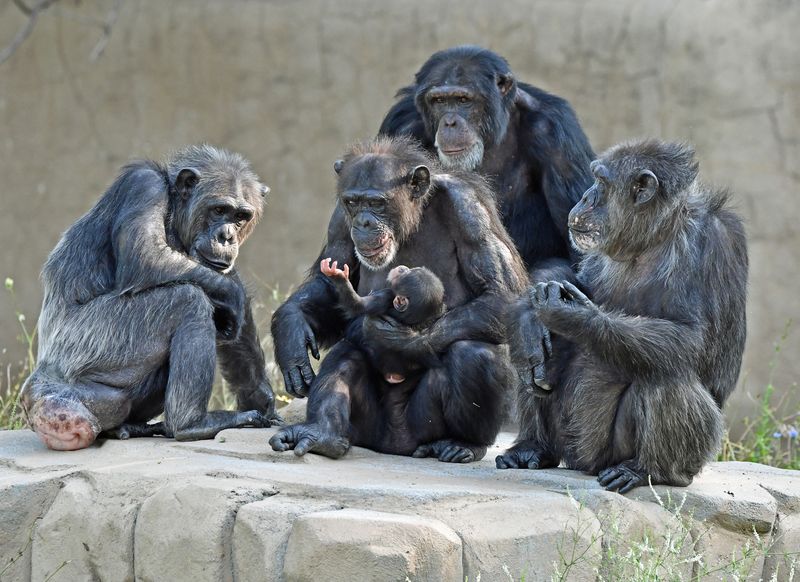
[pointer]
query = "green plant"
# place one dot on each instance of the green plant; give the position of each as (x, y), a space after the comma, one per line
(772, 437)
(11, 382)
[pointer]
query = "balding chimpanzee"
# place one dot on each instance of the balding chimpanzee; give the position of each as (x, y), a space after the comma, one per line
(466, 106)
(645, 359)
(396, 206)
(413, 297)
(140, 296)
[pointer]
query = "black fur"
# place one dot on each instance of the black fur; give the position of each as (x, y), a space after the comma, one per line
(643, 365)
(139, 297)
(396, 206)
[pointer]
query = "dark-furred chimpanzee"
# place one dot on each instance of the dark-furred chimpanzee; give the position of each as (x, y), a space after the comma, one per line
(395, 206)
(414, 297)
(140, 296)
(644, 361)
(466, 106)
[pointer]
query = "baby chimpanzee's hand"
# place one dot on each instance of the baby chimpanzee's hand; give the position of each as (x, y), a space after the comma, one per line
(330, 269)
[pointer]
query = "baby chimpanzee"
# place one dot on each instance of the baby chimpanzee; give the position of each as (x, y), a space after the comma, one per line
(414, 297)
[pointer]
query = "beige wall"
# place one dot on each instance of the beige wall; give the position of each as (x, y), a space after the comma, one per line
(289, 83)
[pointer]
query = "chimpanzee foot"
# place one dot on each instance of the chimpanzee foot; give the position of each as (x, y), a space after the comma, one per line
(450, 451)
(524, 456)
(305, 438)
(622, 477)
(219, 420)
(136, 430)
(62, 424)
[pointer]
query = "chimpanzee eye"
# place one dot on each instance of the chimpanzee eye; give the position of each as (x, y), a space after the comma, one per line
(438, 100)
(463, 100)
(219, 210)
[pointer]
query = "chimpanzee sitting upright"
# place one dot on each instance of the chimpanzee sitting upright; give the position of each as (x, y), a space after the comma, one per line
(642, 366)
(395, 206)
(414, 297)
(140, 296)
(466, 106)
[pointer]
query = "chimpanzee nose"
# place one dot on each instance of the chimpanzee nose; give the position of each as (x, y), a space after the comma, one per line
(450, 120)
(225, 235)
(364, 222)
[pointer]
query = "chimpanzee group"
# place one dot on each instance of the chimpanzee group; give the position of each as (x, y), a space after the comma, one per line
(477, 250)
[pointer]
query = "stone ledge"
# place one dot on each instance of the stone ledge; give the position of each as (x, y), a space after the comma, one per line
(231, 508)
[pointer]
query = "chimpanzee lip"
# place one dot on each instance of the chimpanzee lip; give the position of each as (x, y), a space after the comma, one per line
(453, 152)
(215, 264)
(581, 231)
(369, 253)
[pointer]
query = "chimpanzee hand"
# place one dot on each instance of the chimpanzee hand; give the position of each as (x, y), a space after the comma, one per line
(261, 399)
(330, 269)
(530, 349)
(229, 304)
(305, 438)
(561, 306)
(293, 338)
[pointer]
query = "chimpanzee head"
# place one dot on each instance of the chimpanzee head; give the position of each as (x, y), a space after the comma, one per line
(464, 96)
(215, 202)
(418, 295)
(639, 189)
(383, 186)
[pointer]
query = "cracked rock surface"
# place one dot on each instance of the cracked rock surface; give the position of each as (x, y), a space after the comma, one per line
(232, 509)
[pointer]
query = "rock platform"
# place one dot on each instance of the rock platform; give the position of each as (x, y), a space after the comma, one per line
(232, 509)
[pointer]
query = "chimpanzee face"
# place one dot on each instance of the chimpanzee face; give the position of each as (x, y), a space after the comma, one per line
(418, 294)
(382, 201)
(218, 203)
(613, 207)
(463, 107)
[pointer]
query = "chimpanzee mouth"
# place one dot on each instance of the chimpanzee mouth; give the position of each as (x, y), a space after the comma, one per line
(377, 257)
(465, 158)
(584, 240)
(216, 264)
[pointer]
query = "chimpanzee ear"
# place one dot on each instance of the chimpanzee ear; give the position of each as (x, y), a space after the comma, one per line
(645, 187)
(337, 166)
(420, 180)
(186, 180)
(505, 82)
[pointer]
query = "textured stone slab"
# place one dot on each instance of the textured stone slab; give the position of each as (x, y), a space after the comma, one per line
(371, 546)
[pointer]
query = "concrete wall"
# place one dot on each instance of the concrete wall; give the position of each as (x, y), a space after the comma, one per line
(288, 84)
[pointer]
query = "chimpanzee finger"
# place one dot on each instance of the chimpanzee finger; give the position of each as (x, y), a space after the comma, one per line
(540, 377)
(311, 342)
(608, 475)
(601, 475)
(617, 483)
(449, 453)
(553, 293)
(280, 441)
(463, 456)
(296, 381)
(575, 293)
(548, 343)
(303, 445)
(422, 451)
(628, 486)
(507, 461)
(539, 294)
(308, 374)
(346, 270)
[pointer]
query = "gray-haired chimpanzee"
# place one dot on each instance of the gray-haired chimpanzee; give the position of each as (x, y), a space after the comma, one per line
(645, 359)
(140, 296)
(395, 206)
(467, 107)
(414, 297)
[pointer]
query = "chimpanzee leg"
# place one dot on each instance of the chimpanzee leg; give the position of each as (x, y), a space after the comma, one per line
(342, 385)
(192, 361)
(242, 365)
(678, 429)
(458, 410)
(68, 416)
(534, 447)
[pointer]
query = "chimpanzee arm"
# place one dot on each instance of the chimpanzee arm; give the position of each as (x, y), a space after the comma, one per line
(243, 366)
(350, 303)
(561, 152)
(309, 317)
(144, 259)
(638, 346)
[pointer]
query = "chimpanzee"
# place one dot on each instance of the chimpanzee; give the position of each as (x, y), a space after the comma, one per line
(466, 106)
(396, 206)
(140, 296)
(414, 297)
(644, 361)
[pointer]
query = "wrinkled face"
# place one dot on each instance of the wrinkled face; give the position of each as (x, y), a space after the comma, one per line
(617, 208)
(462, 107)
(418, 294)
(218, 215)
(381, 199)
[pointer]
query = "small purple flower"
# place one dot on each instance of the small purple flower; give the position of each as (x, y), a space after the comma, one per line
(776, 435)
(792, 433)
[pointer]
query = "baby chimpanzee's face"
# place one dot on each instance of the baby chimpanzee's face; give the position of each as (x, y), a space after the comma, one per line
(418, 294)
